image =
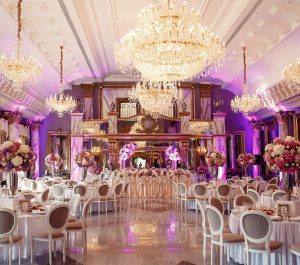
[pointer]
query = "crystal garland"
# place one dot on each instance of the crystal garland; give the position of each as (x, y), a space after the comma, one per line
(245, 104)
(20, 70)
(155, 96)
(61, 103)
(168, 44)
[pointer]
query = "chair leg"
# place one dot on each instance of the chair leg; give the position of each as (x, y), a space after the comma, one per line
(31, 251)
(10, 255)
(20, 253)
(50, 252)
(204, 247)
(211, 254)
(64, 250)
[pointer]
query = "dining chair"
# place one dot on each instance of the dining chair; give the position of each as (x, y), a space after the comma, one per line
(218, 237)
(205, 228)
(217, 203)
(103, 195)
(241, 199)
(200, 194)
(272, 187)
(117, 195)
(80, 226)
(223, 192)
(238, 182)
(74, 204)
(81, 190)
(45, 195)
(257, 229)
(32, 185)
(8, 223)
(248, 187)
(28, 196)
(273, 180)
(71, 183)
(277, 195)
(175, 193)
(254, 195)
(56, 224)
(230, 182)
(258, 178)
(184, 196)
(126, 194)
(58, 191)
(294, 249)
(236, 178)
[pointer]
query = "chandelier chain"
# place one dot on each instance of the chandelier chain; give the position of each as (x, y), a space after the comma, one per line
(19, 27)
(61, 68)
(245, 69)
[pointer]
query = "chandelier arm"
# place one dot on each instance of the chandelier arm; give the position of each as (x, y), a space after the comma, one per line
(19, 27)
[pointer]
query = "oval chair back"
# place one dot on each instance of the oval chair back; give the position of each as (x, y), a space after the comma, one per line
(45, 195)
(80, 190)
(241, 199)
(74, 204)
(217, 203)
(254, 195)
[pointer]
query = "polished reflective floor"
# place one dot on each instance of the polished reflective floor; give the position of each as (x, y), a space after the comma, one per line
(148, 232)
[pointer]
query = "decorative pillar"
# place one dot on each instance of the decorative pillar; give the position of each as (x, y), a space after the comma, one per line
(184, 121)
(113, 154)
(184, 151)
(76, 143)
(112, 122)
(88, 96)
(35, 145)
(233, 150)
(283, 121)
(219, 138)
(210, 144)
(256, 128)
(14, 119)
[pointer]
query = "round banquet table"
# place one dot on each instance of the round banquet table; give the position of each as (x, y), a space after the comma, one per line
(234, 191)
(28, 224)
(285, 232)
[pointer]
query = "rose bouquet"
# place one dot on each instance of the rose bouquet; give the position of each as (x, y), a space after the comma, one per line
(94, 170)
(53, 160)
(283, 155)
(172, 153)
(215, 159)
(16, 157)
(84, 159)
(126, 151)
(246, 159)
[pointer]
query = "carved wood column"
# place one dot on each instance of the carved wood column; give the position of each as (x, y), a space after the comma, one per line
(112, 154)
(112, 122)
(219, 138)
(205, 101)
(88, 100)
(184, 121)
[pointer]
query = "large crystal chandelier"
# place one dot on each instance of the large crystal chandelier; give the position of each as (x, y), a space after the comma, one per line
(155, 97)
(61, 103)
(291, 73)
(20, 70)
(168, 44)
(245, 104)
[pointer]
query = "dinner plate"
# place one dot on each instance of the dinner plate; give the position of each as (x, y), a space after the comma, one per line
(38, 212)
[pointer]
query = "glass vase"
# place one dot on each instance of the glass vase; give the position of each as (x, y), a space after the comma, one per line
(246, 171)
(13, 182)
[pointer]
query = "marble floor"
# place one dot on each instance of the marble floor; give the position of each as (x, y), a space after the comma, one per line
(148, 232)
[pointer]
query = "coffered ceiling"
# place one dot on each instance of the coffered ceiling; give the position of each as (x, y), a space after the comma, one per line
(89, 30)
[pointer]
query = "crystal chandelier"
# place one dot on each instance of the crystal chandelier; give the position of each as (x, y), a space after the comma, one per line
(155, 97)
(92, 127)
(20, 70)
(61, 103)
(168, 44)
(96, 150)
(245, 104)
(198, 126)
(291, 73)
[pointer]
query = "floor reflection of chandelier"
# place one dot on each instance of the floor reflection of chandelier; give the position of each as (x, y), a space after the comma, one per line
(61, 103)
(245, 104)
(155, 96)
(20, 70)
(198, 126)
(291, 73)
(168, 44)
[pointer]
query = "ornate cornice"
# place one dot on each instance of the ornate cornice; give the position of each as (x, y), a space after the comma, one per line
(14, 117)
(283, 116)
(35, 125)
(256, 125)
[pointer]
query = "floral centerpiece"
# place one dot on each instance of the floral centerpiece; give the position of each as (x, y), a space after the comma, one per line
(283, 156)
(214, 160)
(84, 160)
(245, 160)
(15, 157)
(172, 153)
(54, 161)
(94, 170)
(126, 152)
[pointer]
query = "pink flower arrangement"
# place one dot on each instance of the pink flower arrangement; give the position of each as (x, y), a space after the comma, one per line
(283, 155)
(94, 170)
(16, 157)
(84, 159)
(53, 160)
(202, 169)
(126, 151)
(172, 153)
(246, 159)
(215, 159)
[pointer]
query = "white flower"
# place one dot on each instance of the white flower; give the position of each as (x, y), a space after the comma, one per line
(17, 161)
(24, 148)
(290, 138)
(279, 149)
(7, 144)
(84, 162)
(213, 155)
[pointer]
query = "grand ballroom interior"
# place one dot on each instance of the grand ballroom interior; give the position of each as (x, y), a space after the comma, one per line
(150, 132)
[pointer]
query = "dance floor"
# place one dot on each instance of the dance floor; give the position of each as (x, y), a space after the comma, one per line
(149, 232)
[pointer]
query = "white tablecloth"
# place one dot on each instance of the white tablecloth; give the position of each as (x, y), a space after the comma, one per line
(285, 232)
(9, 203)
(266, 200)
(234, 191)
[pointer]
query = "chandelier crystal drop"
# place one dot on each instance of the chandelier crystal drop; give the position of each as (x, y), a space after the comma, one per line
(245, 104)
(169, 43)
(291, 73)
(61, 103)
(20, 70)
(155, 97)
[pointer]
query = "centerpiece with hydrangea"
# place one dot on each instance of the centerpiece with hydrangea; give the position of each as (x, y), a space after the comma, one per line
(245, 160)
(214, 160)
(84, 160)
(53, 161)
(16, 157)
(283, 155)
(172, 153)
(126, 152)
